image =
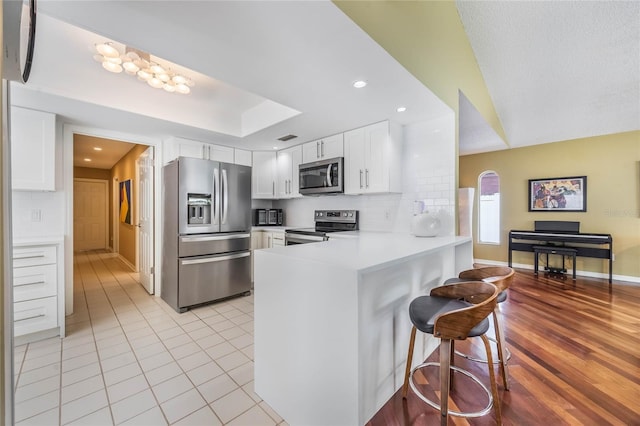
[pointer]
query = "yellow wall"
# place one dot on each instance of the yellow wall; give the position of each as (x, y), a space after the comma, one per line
(123, 170)
(428, 39)
(612, 166)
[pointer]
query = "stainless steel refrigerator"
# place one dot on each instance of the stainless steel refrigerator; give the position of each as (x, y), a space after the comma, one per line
(206, 232)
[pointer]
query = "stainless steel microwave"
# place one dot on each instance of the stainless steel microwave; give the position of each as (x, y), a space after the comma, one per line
(322, 177)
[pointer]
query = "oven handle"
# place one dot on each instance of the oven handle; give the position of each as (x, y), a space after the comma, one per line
(213, 238)
(303, 239)
(214, 259)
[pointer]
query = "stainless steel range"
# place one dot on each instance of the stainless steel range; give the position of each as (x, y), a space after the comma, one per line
(327, 221)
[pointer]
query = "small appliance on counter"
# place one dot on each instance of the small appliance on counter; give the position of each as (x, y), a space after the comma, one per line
(326, 221)
(207, 232)
(268, 217)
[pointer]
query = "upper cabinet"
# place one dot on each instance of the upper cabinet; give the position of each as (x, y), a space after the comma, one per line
(373, 159)
(33, 150)
(178, 147)
(242, 157)
(264, 175)
(329, 147)
(288, 183)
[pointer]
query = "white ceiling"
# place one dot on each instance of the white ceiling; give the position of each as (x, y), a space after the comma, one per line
(558, 70)
(303, 56)
(555, 70)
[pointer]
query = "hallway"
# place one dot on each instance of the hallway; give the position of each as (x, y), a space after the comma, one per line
(128, 358)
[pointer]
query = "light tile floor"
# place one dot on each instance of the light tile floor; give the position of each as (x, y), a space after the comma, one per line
(128, 358)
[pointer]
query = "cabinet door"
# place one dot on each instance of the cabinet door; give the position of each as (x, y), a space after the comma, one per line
(285, 169)
(242, 157)
(296, 160)
(332, 146)
(354, 164)
(177, 147)
(267, 240)
(219, 153)
(33, 144)
(376, 157)
(311, 151)
(277, 239)
(263, 175)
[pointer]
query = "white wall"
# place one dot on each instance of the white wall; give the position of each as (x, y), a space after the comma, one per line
(27, 204)
(428, 174)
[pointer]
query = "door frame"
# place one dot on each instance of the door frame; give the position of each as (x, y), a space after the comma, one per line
(67, 170)
(106, 199)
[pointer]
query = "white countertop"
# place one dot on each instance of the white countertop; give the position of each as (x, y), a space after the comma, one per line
(364, 250)
(38, 241)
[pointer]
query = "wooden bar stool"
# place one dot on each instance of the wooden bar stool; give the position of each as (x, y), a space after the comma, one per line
(453, 312)
(501, 277)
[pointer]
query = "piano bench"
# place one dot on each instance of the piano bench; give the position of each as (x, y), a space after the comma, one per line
(561, 251)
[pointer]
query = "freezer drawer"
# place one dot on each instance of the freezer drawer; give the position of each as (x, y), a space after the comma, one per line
(202, 244)
(208, 278)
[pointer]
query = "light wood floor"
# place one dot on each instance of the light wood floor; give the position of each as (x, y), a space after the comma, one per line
(576, 359)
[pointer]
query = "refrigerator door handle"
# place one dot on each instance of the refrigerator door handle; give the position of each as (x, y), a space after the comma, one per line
(214, 259)
(216, 196)
(225, 196)
(195, 239)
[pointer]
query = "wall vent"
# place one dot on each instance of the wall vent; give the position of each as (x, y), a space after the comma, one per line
(287, 138)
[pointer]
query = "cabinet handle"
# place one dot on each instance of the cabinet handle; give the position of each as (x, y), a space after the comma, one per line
(318, 149)
(366, 173)
(273, 188)
(33, 283)
(37, 256)
(28, 318)
(203, 152)
(322, 149)
(360, 178)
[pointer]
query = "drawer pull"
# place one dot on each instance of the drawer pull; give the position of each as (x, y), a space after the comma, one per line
(33, 283)
(28, 318)
(28, 257)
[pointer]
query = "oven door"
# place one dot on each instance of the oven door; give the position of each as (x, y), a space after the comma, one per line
(322, 177)
(291, 239)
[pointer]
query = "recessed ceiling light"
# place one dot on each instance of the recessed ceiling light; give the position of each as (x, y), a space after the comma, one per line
(359, 84)
(88, 160)
(97, 148)
(401, 109)
(275, 147)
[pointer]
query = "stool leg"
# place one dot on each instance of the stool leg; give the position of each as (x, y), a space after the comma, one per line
(445, 376)
(407, 371)
(492, 379)
(502, 349)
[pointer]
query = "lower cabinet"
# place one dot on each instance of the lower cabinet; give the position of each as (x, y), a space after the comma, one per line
(38, 295)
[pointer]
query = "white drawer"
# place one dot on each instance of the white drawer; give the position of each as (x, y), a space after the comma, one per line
(35, 315)
(34, 282)
(36, 255)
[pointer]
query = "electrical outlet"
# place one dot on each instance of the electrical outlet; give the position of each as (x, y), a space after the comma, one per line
(36, 215)
(613, 257)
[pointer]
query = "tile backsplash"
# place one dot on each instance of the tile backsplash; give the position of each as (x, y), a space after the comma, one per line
(428, 175)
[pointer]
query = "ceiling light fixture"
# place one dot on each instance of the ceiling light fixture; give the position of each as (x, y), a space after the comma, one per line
(97, 148)
(88, 160)
(138, 63)
(401, 109)
(359, 84)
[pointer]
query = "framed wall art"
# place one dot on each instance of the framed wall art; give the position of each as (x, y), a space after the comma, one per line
(565, 194)
(125, 201)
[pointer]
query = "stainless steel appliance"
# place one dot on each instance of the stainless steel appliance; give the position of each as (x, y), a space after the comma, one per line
(322, 177)
(268, 217)
(206, 229)
(326, 222)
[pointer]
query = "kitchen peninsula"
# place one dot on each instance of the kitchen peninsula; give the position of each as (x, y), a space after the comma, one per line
(332, 324)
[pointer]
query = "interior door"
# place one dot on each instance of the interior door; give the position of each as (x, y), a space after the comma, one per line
(90, 214)
(144, 167)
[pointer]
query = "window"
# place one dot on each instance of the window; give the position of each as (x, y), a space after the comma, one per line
(489, 208)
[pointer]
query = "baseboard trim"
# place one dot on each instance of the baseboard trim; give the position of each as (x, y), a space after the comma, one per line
(126, 262)
(626, 278)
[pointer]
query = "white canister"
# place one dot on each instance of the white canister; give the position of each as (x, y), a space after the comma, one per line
(426, 225)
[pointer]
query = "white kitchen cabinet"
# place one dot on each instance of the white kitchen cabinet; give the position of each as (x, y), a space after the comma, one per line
(322, 149)
(263, 175)
(179, 147)
(242, 157)
(372, 159)
(38, 291)
(288, 184)
(272, 239)
(33, 146)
